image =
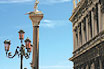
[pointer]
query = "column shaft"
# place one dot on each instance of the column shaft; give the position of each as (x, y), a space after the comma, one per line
(99, 17)
(93, 28)
(102, 21)
(96, 27)
(100, 64)
(76, 35)
(87, 28)
(83, 33)
(35, 56)
(78, 38)
(74, 40)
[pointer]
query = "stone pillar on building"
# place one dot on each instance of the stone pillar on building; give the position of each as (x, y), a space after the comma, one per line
(95, 21)
(100, 64)
(87, 67)
(89, 26)
(99, 17)
(102, 16)
(87, 29)
(93, 24)
(35, 18)
(74, 39)
(83, 33)
(78, 36)
(92, 66)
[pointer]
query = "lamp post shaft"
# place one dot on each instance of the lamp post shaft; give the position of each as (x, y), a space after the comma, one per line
(21, 65)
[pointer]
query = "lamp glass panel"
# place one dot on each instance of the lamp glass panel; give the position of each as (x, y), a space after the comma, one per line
(7, 47)
(21, 35)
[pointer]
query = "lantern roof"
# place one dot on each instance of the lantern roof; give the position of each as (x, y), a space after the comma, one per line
(21, 31)
(27, 39)
(7, 42)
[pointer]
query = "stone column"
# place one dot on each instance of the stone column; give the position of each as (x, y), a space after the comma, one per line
(83, 33)
(95, 20)
(102, 20)
(92, 66)
(35, 18)
(87, 28)
(78, 37)
(74, 39)
(96, 27)
(102, 16)
(87, 67)
(100, 64)
(93, 24)
(99, 17)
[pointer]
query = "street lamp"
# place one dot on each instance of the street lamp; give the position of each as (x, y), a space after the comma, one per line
(20, 51)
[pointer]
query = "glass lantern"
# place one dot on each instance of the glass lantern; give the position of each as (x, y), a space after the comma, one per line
(7, 45)
(28, 44)
(21, 34)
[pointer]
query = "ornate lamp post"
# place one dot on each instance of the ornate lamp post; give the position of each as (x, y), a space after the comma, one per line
(20, 51)
(35, 16)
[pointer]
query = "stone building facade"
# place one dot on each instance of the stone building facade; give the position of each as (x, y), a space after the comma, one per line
(88, 34)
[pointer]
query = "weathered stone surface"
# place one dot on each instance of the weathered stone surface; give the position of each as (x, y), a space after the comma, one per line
(88, 34)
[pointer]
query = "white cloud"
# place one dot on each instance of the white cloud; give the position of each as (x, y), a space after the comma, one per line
(53, 23)
(53, 1)
(47, 23)
(41, 1)
(15, 1)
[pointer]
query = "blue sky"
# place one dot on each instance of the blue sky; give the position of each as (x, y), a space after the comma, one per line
(55, 33)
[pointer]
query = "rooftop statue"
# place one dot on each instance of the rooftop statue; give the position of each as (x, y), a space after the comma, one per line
(75, 3)
(36, 7)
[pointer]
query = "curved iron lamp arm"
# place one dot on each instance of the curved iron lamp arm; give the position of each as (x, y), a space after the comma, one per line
(8, 54)
(20, 52)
